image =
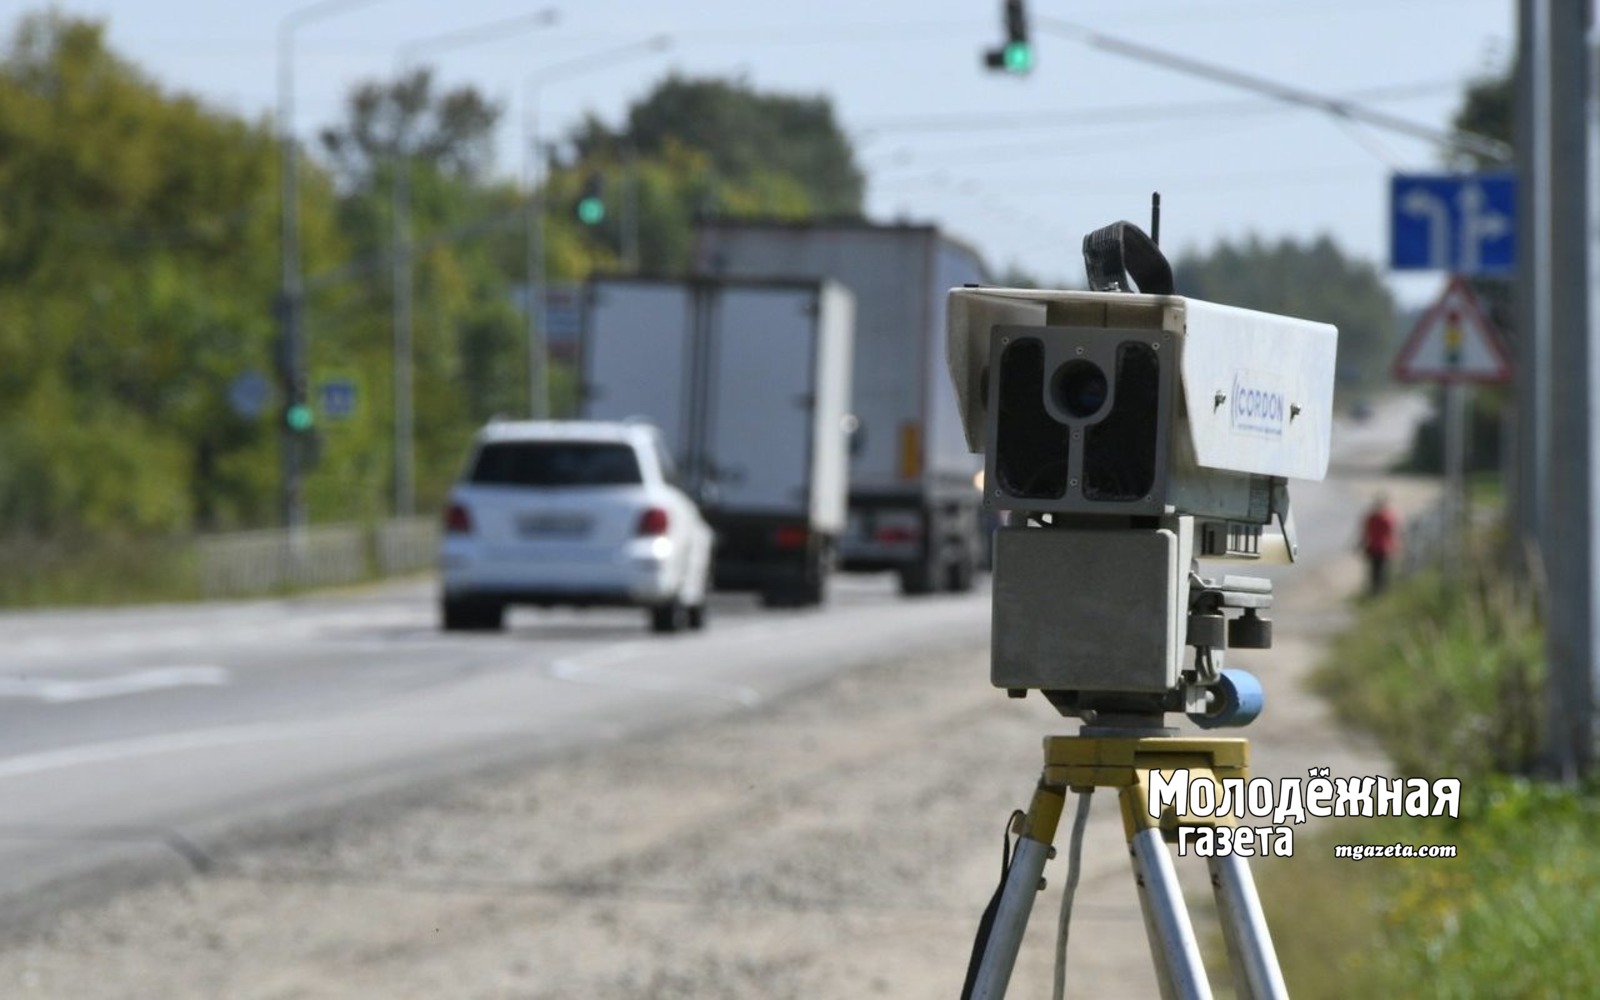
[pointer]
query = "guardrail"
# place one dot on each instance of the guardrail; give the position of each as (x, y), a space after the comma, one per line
(248, 563)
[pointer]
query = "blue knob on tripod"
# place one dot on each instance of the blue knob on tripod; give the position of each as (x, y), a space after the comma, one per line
(1236, 700)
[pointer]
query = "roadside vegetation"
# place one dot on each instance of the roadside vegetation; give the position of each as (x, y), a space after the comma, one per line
(1446, 672)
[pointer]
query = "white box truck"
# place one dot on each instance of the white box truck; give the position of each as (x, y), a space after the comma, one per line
(915, 500)
(749, 382)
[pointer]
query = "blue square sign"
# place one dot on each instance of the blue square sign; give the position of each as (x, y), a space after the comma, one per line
(338, 398)
(1460, 223)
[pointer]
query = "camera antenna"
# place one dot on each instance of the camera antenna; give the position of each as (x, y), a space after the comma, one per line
(1155, 217)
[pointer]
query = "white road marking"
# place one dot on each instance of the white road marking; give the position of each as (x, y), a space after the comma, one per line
(56, 690)
(117, 750)
(598, 668)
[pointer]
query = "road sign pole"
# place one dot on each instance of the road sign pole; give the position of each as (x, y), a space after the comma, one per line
(1455, 433)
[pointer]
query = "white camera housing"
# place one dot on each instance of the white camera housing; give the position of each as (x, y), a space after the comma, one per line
(1231, 403)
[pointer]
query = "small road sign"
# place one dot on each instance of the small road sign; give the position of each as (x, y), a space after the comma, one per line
(337, 397)
(249, 393)
(1461, 223)
(1454, 341)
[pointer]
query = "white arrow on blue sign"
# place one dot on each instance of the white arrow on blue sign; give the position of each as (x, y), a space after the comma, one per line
(1460, 223)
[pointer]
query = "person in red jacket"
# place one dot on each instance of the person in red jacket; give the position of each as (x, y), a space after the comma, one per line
(1380, 540)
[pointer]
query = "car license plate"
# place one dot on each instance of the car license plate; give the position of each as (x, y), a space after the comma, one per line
(553, 525)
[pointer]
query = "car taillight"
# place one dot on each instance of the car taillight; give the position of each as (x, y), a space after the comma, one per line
(653, 522)
(894, 535)
(456, 520)
(791, 536)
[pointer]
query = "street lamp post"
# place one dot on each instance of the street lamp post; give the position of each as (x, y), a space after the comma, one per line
(403, 271)
(538, 374)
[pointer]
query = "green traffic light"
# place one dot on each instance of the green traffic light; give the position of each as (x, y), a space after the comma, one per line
(591, 211)
(1018, 57)
(298, 417)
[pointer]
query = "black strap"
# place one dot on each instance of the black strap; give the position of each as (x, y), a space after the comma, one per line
(1113, 254)
(986, 924)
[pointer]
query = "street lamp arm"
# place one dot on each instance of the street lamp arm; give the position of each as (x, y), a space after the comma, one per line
(493, 31)
(596, 61)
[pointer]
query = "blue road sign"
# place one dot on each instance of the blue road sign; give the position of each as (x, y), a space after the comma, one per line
(249, 393)
(338, 398)
(1460, 223)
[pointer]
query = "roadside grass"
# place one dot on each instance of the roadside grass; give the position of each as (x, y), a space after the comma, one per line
(105, 571)
(1447, 673)
(1513, 914)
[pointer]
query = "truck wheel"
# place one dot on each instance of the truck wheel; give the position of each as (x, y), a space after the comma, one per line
(960, 574)
(918, 580)
(670, 617)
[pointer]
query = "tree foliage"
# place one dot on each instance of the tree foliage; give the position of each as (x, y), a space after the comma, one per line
(136, 266)
(140, 260)
(450, 132)
(750, 139)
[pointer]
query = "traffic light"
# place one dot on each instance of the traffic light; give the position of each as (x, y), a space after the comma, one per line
(298, 417)
(592, 203)
(1016, 55)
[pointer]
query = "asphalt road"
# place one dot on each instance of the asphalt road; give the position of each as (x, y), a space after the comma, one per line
(130, 738)
(135, 734)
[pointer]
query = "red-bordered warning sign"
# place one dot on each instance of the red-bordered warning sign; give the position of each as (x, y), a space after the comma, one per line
(1454, 341)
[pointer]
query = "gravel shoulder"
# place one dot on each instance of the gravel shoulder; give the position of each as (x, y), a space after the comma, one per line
(840, 844)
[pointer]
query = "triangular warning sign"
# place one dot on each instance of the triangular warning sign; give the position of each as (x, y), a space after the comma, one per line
(1453, 342)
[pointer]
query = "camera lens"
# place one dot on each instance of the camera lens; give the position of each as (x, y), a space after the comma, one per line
(1080, 388)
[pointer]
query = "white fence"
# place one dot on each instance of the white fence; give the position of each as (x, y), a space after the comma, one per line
(278, 560)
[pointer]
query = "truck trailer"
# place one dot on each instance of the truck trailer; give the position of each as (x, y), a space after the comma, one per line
(749, 382)
(915, 497)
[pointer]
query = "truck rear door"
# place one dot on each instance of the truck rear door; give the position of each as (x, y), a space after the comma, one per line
(637, 349)
(760, 383)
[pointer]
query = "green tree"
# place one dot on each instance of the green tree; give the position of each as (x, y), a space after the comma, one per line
(746, 135)
(137, 267)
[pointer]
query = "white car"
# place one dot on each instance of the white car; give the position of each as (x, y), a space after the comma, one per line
(572, 513)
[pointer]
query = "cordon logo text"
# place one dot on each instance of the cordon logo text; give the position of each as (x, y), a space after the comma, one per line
(1259, 405)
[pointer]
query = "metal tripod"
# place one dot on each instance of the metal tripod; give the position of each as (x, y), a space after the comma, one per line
(1084, 763)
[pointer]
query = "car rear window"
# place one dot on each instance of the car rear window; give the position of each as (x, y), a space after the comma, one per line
(556, 463)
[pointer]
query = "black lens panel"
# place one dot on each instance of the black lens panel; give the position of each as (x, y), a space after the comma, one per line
(1031, 448)
(1119, 457)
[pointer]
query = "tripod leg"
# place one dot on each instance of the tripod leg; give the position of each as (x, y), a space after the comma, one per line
(1172, 943)
(1250, 951)
(1016, 898)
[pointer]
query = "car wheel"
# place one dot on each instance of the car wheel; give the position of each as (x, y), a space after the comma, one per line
(697, 616)
(670, 617)
(455, 615)
(492, 617)
(463, 615)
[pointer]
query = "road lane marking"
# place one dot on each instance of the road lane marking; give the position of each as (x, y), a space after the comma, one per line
(55, 690)
(599, 669)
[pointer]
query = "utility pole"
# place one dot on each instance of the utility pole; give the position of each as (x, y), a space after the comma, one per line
(1562, 120)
